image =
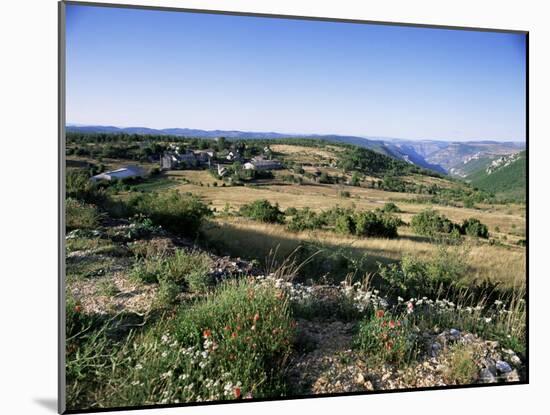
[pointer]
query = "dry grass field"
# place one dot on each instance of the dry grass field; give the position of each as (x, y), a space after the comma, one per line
(508, 219)
(238, 235)
(503, 262)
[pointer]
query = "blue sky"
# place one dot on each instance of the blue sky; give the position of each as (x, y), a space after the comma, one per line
(163, 69)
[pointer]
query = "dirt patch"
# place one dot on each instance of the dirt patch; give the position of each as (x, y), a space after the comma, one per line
(124, 295)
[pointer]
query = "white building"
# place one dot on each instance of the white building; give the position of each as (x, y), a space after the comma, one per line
(126, 172)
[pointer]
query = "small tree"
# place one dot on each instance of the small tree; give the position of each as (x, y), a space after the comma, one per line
(324, 178)
(473, 227)
(263, 211)
(429, 223)
(355, 179)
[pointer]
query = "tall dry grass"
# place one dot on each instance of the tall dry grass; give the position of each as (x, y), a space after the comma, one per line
(242, 237)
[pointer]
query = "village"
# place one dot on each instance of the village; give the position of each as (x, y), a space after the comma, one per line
(221, 163)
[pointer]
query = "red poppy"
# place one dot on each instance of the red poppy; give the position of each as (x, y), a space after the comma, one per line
(227, 328)
(206, 333)
(233, 335)
(380, 313)
(77, 308)
(256, 316)
(237, 392)
(392, 324)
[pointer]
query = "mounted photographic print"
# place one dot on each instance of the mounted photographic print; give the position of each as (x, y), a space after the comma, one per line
(259, 207)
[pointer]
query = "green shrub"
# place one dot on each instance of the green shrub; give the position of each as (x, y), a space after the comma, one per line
(76, 320)
(469, 203)
(386, 339)
(430, 223)
(232, 345)
(179, 213)
(141, 227)
(291, 211)
(263, 211)
(331, 216)
(87, 367)
(325, 178)
(391, 207)
(374, 224)
(305, 219)
(355, 180)
(85, 350)
(414, 277)
(473, 227)
(79, 186)
(80, 215)
(189, 268)
(368, 223)
(167, 293)
(461, 368)
(345, 224)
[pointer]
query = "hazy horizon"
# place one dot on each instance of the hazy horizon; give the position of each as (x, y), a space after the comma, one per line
(161, 69)
(295, 133)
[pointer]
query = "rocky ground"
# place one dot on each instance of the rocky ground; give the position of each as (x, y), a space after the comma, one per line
(108, 288)
(324, 361)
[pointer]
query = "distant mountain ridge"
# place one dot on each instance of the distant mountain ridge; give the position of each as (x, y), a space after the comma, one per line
(441, 156)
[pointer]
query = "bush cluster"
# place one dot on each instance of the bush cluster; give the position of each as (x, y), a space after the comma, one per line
(184, 268)
(386, 339)
(346, 221)
(80, 215)
(79, 186)
(179, 213)
(414, 277)
(473, 227)
(391, 207)
(368, 223)
(232, 345)
(263, 211)
(431, 223)
(305, 219)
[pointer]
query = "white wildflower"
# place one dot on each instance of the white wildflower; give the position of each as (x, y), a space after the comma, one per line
(166, 374)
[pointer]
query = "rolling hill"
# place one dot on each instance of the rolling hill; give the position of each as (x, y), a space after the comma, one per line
(504, 176)
(444, 157)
